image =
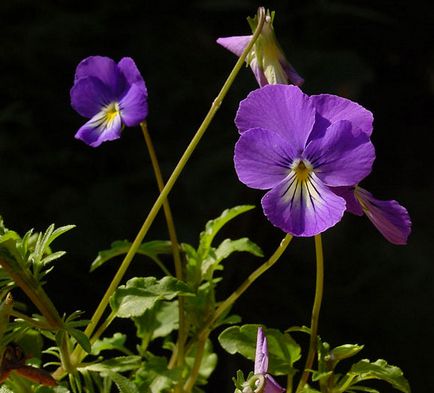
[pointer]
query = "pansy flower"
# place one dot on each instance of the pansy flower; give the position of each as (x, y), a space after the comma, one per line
(299, 148)
(389, 217)
(265, 383)
(111, 95)
(266, 59)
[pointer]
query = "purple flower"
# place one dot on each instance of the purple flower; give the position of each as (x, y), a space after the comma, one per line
(261, 366)
(267, 60)
(301, 147)
(111, 95)
(389, 217)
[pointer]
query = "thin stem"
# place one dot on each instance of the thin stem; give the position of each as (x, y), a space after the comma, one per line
(173, 238)
(171, 182)
(35, 293)
(103, 327)
(289, 382)
(223, 307)
(315, 312)
(31, 321)
(250, 280)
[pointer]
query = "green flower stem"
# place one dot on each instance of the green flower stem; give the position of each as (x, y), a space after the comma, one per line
(173, 239)
(225, 305)
(289, 381)
(78, 353)
(315, 312)
(35, 292)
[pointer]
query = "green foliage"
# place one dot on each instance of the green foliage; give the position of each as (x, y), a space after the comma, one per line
(116, 342)
(208, 364)
(141, 294)
(283, 350)
(150, 249)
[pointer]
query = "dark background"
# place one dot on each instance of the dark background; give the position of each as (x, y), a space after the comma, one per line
(378, 53)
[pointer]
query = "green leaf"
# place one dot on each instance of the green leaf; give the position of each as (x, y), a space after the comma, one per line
(81, 338)
(118, 364)
(5, 389)
(141, 294)
(123, 384)
(117, 342)
(159, 321)
(213, 227)
(283, 350)
(150, 249)
(224, 250)
(208, 364)
(345, 351)
(365, 370)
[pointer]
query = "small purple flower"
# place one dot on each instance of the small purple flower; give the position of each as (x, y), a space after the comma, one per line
(267, 60)
(261, 367)
(301, 147)
(111, 95)
(389, 217)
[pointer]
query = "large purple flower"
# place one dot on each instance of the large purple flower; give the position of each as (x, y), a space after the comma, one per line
(300, 147)
(266, 59)
(389, 217)
(111, 95)
(269, 385)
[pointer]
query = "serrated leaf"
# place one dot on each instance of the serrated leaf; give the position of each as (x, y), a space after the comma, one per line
(283, 350)
(150, 249)
(116, 342)
(212, 227)
(141, 294)
(159, 321)
(224, 250)
(123, 384)
(118, 364)
(380, 369)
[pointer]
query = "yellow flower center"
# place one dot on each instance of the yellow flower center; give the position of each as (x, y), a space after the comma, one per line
(302, 169)
(111, 111)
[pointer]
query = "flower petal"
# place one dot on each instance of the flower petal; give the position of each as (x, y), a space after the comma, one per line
(343, 156)
(259, 74)
(89, 95)
(128, 68)
(291, 73)
(134, 105)
(280, 108)
(332, 108)
(261, 357)
(105, 69)
(303, 208)
(98, 130)
(235, 44)
(271, 386)
(389, 217)
(262, 158)
(353, 205)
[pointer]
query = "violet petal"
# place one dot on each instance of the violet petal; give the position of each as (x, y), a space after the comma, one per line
(281, 108)
(303, 208)
(235, 44)
(271, 386)
(134, 105)
(353, 205)
(341, 157)
(262, 158)
(261, 357)
(128, 68)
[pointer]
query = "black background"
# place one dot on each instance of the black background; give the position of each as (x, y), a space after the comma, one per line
(378, 53)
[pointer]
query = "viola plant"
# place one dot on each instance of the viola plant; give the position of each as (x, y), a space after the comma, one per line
(309, 153)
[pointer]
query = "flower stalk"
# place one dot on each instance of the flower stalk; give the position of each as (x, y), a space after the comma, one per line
(315, 313)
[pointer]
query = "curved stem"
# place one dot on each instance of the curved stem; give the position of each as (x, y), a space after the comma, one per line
(171, 182)
(315, 312)
(173, 238)
(205, 331)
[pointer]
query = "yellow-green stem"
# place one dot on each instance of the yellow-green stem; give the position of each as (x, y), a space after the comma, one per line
(225, 305)
(315, 313)
(173, 238)
(169, 185)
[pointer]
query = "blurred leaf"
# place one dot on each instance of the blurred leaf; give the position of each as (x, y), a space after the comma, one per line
(365, 370)
(118, 364)
(283, 350)
(345, 351)
(81, 338)
(208, 364)
(123, 384)
(141, 293)
(158, 321)
(151, 249)
(117, 342)
(213, 227)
